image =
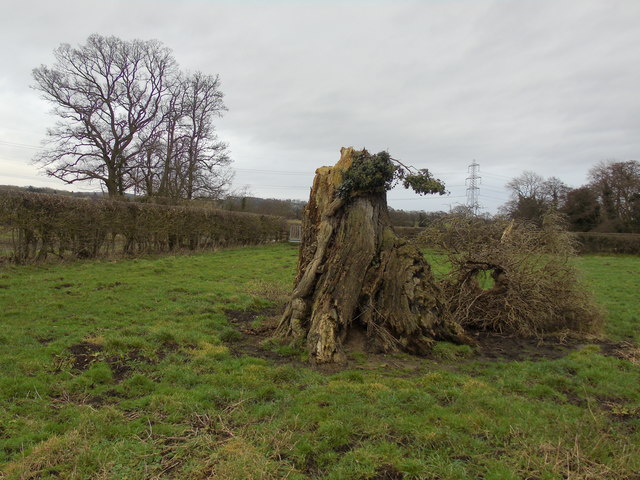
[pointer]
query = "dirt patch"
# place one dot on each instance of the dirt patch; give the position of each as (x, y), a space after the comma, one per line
(254, 322)
(83, 354)
(119, 367)
(388, 472)
(122, 365)
(622, 350)
(257, 326)
(496, 346)
(169, 346)
(619, 410)
(109, 286)
(310, 466)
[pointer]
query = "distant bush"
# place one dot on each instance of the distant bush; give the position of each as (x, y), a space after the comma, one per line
(42, 225)
(593, 242)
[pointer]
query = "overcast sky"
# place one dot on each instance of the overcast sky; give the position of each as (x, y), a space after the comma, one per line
(545, 85)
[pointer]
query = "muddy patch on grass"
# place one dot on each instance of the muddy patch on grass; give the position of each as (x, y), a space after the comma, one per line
(388, 472)
(109, 286)
(119, 365)
(619, 410)
(496, 346)
(83, 354)
(621, 350)
(256, 330)
(255, 327)
(254, 322)
(64, 398)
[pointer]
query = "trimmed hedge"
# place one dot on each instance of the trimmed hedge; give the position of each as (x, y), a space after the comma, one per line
(594, 242)
(410, 233)
(587, 242)
(43, 224)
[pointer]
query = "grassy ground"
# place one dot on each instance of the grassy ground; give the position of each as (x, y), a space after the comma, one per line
(615, 281)
(137, 369)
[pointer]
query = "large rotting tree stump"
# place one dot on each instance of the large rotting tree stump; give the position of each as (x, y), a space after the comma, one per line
(355, 275)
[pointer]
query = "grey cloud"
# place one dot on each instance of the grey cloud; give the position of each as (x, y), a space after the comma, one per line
(539, 85)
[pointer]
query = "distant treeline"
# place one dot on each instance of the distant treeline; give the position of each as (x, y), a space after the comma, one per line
(37, 226)
(51, 191)
(608, 203)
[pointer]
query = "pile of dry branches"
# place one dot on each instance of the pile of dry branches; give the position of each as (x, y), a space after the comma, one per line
(512, 277)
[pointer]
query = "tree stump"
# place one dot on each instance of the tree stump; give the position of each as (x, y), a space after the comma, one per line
(356, 276)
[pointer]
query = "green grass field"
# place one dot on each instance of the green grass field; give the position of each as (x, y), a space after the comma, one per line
(146, 368)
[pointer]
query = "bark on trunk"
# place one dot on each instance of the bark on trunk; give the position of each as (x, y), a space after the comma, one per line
(355, 274)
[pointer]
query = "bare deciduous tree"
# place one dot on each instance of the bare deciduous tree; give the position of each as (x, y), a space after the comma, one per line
(204, 154)
(555, 192)
(617, 185)
(128, 117)
(107, 94)
(532, 196)
(186, 159)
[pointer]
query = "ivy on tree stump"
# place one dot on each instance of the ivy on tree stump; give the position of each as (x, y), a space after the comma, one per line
(355, 276)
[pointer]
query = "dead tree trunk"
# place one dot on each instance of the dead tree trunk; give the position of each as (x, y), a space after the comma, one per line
(355, 275)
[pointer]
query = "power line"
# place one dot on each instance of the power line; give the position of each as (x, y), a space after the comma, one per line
(495, 190)
(285, 172)
(494, 198)
(436, 197)
(19, 145)
(290, 187)
(280, 172)
(496, 175)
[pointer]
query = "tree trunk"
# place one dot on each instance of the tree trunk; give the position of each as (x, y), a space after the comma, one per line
(355, 277)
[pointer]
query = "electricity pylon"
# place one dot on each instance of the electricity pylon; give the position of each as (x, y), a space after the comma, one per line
(473, 187)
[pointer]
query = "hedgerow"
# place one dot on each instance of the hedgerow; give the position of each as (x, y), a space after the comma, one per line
(45, 225)
(596, 242)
